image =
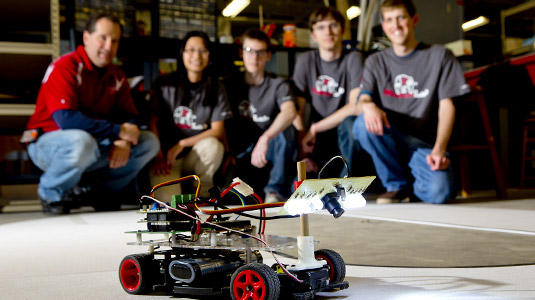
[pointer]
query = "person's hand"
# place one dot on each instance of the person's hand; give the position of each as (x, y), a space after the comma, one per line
(160, 167)
(310, 165)
(119, 154)
(308, 142)
(129, 132)
(173, 153)
(375, 119)
(258, 156)
(437, 160)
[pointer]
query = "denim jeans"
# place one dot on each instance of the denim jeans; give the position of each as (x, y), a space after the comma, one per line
(65, 155)
(393, 152)
(346, 143)
(282, 154)
(333, 142)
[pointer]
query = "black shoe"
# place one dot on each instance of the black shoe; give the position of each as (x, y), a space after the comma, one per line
(55, 208)
(70, 200)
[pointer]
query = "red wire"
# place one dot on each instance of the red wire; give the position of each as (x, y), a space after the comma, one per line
(229, 229)
(229, 188)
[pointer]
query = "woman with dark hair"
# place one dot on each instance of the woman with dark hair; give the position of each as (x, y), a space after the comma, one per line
(188, 112)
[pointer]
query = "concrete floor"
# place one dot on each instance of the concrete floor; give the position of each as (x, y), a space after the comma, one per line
(77, 256)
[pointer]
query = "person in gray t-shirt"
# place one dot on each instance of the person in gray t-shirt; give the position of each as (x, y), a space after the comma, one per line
(261, 135)
(408, 111)
(189, 108)
(328, 79)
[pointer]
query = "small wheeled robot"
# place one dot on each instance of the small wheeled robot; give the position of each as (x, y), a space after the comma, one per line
(220, 255)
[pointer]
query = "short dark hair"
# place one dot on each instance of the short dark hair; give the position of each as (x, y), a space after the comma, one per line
(205, 40)
(407, 4)
(200, 34)
(322, 13)
(257, 34)
(90, 25)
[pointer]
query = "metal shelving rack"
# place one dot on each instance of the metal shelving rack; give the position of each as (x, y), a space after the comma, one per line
(30, 48)
(526, 11)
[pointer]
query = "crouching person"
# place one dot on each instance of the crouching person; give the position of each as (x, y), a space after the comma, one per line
(84, 123)
(189, 109)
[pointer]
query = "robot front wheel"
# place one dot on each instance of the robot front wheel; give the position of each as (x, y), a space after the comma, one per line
(135, 273)
(254, 281)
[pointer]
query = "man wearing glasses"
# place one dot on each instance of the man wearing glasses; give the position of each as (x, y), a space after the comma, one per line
(261, 137)
(328, 79)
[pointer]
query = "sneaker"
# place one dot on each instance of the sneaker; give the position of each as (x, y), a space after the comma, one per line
(55, 208)
(393, 197)
(273, 198)
(70, 200)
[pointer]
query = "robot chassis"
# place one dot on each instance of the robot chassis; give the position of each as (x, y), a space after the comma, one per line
(221, 257)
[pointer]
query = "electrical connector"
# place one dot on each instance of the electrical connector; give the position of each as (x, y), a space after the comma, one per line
(242, 188)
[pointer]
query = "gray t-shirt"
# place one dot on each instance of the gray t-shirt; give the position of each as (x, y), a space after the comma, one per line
(254, 107)
(261, 103)
(326, 85)
(409, 88)
(185, 109)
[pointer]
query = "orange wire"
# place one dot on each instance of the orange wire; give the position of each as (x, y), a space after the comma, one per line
(175, 181)
(240, 209)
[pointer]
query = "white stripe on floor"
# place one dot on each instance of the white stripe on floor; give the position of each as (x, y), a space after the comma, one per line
(522, 232)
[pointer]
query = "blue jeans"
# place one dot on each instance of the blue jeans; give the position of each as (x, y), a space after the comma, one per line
(282, 154)
(333, 142)
(393, 151)
(346, 143)
(64, 155)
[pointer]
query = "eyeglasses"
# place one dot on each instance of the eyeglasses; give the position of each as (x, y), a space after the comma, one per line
(259, 53)
(321, 27)
(199, 51)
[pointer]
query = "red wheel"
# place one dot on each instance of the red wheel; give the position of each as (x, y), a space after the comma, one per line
(256, 282)
(335, 262)
(133, 274)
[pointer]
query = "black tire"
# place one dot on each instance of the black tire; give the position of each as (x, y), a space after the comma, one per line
(135, 274)
(254, 281)
(335, 262)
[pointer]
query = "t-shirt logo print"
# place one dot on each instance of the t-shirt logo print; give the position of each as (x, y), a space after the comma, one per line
(244, 109)
(327, 86)
(184, 118)
(247, 110)
(405, 87)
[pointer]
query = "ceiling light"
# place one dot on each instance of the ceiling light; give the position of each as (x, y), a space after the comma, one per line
(353, 12)
(475, 23)
(235, 7)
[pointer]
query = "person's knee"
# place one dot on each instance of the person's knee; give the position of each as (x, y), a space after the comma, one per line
(148, 143)
(346, 126)
(359, 128)
(438, 192)
(287, 138)
(210, 149)
(81, 151)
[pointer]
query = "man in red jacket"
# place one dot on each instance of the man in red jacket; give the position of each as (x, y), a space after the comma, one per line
(85, 122)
